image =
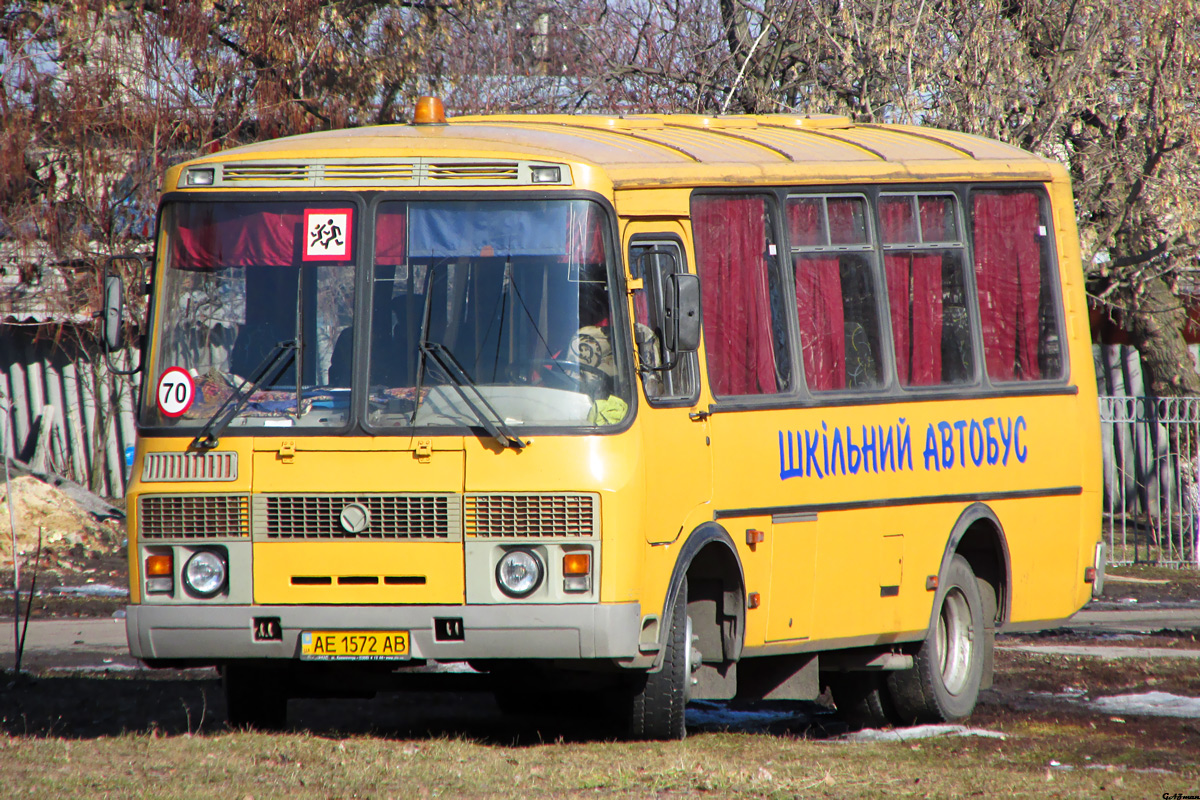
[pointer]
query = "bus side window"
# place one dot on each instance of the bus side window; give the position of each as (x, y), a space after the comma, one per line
(1015, 273)
(656, 261)
(923, 265)
(832, 253)
(745, 330)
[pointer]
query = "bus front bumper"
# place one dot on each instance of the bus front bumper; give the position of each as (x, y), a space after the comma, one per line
(215, 633)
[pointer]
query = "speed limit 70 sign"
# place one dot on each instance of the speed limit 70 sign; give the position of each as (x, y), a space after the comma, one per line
(175, 392)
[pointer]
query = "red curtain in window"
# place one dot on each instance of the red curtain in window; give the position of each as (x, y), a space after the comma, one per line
(390, 234)
(730, 243)
(818, 300)
(915, 293)
(822, 322)
(209, 236)
(1008, 272)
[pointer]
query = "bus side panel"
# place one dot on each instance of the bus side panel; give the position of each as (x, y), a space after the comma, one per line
(872, 567)
(886, 484)
(1082, 374)
(1045, 556)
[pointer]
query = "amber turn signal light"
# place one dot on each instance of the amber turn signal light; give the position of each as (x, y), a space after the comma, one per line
(577, 563)
(158, 565)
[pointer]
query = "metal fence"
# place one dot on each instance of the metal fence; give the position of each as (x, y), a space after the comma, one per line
(1151, 479)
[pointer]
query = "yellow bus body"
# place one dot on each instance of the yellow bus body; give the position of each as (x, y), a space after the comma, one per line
(835, 562)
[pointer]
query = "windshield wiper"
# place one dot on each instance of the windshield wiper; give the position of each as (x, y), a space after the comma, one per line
(276, 362)
(461, 381)
(458, 376)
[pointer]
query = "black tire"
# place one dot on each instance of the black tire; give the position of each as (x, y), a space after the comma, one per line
(943, 685)
(659, 699)
(863, 700)
(991, 603)
(255, 697)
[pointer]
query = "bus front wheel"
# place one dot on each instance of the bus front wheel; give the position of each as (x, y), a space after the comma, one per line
(255, 697)
(659, 699)
(944, 683)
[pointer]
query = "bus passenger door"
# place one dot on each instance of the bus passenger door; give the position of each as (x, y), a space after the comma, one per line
(674, 438)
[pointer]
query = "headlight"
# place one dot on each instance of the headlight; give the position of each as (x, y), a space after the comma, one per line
(519, 572)
(201, 177)
(204, 574)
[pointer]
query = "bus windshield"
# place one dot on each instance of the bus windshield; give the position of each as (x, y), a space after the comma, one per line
(479, 314)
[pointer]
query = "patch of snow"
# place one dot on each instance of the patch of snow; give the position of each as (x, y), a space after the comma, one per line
(920, 732)
(92, 590)
(1102, 651)
(100, 668)
(1154, 704)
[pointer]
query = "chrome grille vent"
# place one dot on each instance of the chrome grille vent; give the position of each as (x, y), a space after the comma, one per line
(405, 516)
(275, 173)
(524, 515)
(167, 467)
(199, 516)
(368, 173)
(480, 172)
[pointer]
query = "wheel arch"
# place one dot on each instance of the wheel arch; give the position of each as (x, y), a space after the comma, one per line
(709, 558)
(979, 537)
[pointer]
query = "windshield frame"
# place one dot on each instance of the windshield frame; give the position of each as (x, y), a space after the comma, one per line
(158, 308)
(366, 204)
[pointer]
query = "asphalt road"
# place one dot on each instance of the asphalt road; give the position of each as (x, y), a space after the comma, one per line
(50, 644)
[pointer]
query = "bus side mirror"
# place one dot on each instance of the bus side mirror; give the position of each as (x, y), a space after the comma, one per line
(682, 300)
(114, 311)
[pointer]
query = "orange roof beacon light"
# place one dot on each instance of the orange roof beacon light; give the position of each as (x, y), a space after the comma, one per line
(430, 111)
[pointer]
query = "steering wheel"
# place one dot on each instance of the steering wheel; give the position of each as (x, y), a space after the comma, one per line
(558, 373)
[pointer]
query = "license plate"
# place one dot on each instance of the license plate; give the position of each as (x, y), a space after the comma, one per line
(360, 645)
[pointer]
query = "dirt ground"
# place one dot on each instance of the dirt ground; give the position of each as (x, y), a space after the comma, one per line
(54, 595)
(1041, 701)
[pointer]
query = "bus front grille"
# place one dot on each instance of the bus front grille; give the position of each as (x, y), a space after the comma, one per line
(435, 517)
(531, 515)
(199, 516)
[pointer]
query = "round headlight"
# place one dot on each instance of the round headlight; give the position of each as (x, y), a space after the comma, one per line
(519, 572)
(204, 574)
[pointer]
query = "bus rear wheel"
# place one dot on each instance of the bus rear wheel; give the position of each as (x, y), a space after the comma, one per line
(863, 700)
(944, 683)
(255, 697)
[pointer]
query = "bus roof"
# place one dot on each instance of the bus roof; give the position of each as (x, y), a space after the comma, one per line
(637, 150)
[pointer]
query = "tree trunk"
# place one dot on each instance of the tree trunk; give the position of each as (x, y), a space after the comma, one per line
(1155, 319)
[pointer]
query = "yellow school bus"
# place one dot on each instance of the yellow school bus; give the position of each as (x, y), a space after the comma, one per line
(626, 409)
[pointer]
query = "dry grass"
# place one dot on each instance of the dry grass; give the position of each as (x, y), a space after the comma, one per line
(714, 764)
(134, 737)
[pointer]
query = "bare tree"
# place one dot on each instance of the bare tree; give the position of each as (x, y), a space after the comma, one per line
(98, 97)
(1108, 87)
